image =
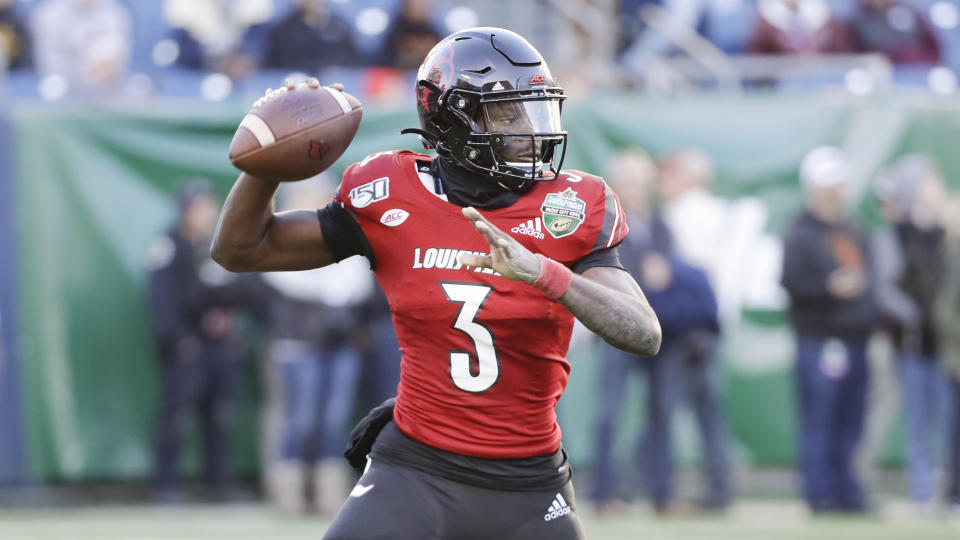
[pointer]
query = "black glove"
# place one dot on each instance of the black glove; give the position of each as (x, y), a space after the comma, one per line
(365, 433)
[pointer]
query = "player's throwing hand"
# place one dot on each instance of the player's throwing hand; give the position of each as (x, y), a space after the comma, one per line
(507, 256)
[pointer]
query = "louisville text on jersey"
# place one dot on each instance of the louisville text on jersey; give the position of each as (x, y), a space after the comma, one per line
(446, 258)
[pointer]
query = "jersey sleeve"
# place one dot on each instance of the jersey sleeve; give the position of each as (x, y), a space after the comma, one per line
(602, 257)
(608, 219)
(342, 234)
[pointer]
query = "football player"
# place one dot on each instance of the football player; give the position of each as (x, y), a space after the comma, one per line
(486, 254)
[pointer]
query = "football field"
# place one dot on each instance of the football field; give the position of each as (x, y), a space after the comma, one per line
(748, 520)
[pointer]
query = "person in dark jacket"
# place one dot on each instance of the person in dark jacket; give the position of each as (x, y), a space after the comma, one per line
(912, 245)
(632, 174)
(687, 368)
(687, 309)
(411, 36)
(191, 298)
(826, 272)
(309, 39)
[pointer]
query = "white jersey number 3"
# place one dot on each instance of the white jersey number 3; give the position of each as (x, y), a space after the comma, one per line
(485, 374)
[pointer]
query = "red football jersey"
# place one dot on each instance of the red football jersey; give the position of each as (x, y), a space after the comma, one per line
(484, 357)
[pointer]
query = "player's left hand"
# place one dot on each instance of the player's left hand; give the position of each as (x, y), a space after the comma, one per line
(507, 256)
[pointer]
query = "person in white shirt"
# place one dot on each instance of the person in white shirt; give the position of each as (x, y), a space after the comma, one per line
(718, 235)
(316, 320)
(85, 41)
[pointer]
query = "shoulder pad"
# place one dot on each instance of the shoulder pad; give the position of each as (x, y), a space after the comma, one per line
(368, 181)
(605, 224)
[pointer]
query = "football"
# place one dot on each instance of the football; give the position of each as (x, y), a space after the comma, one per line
(294, 134)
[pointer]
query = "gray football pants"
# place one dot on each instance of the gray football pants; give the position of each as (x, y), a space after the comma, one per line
(393, 502)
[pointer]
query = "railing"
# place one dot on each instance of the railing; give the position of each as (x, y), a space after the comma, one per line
(859, 74)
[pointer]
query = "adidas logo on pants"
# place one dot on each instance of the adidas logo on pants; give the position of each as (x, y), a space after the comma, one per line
(559, 508)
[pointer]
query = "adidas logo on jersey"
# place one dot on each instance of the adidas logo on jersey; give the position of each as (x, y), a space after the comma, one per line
(531, 227)
(558, 509)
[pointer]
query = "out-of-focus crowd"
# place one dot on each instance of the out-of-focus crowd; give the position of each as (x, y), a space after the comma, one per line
(112, 47)
(329, 340)
(90, 47)
(900, 283)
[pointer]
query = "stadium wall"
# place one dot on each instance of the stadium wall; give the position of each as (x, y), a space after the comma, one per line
(94, 185)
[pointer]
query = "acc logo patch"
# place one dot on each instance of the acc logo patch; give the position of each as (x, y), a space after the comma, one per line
(563, 212)
(364, 195)
(394, 217)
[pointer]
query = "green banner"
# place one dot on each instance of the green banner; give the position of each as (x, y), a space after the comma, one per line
(95, 185)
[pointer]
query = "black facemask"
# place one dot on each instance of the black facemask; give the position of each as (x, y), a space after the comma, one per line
(467, 188)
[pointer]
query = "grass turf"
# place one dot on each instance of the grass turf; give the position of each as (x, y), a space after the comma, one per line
(748, 520)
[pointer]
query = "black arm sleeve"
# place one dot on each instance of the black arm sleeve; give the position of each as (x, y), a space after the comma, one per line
(602, 257)
(343, 234)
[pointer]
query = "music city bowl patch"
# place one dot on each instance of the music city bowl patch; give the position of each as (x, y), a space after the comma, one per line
(563, 212)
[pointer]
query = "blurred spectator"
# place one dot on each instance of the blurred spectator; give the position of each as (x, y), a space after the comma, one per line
(309, 39)
(826, 268)
(718, 235)
(632, 175)
(895, 29)
(86, 41)
(411, 36)
(705, 229)
(191, 297)
(947, 316)
(910, 268)
(229, 37)
(686, 365)
(687, 368)
(315, 329)
(798, 27)
(692, 213)
(14, 38)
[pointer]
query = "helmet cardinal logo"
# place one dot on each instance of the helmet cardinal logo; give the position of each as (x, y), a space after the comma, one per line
(563, 212)
(423, 93)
